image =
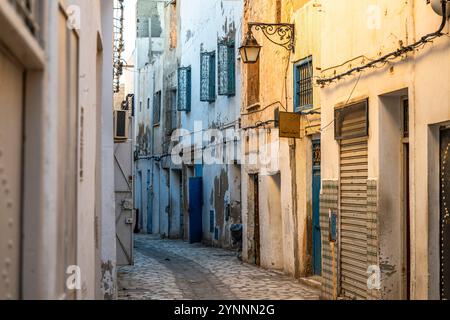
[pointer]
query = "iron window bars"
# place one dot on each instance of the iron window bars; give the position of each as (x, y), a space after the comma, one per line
(226, 68)
(184, 89)
(208, 76)
(304, 85)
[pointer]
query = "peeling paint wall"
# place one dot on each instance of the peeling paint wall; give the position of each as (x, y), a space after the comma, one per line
(274, 85)
(151, 22)
(202, 25)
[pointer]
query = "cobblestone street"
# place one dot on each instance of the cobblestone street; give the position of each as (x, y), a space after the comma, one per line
(176, 270)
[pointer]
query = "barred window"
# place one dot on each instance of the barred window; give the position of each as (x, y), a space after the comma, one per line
(184, 89)
(227, 69)
(208, 76)
(303, 78)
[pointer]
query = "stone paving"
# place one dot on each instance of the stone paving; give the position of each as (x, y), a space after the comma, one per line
(176, 270)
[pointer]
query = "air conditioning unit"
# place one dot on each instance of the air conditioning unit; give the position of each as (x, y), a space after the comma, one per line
(121, 123)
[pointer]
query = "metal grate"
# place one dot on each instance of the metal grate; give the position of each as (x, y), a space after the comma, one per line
(208, 76)
(29, 10)
(184, 89)
(226, 67)
(405, 118)
(304, 85)
(316, 154)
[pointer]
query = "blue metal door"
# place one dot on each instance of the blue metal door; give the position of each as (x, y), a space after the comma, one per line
(317, 242)
(195, 209)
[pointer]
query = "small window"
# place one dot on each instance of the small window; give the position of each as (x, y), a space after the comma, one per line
(184, 89)
(148, 103)
(227, 69)
(157, 108)
(405, 118)
(352, 121)
(208, 76)
(303, 85)
(171, 112)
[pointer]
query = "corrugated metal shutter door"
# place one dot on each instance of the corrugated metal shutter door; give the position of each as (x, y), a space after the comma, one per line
(353, 213)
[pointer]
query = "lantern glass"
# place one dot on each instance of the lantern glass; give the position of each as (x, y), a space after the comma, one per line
(250, 50)
(250, 54)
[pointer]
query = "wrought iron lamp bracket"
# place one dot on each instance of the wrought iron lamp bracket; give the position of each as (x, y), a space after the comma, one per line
(282, 34)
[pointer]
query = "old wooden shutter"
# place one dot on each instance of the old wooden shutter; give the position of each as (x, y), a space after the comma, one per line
(352, 128)
(208, 76)
(226, 69)
(184, 89)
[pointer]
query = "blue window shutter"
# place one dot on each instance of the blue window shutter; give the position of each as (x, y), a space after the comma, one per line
(208, 76)
(231, 71)
(184, 89)
(227, 69)
(296, 89)
(212, 77)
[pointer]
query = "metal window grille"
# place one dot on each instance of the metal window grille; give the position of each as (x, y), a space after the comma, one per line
(304, 85)
(208, 76)
(184, 89)
(29, 11)
(157, 108)
(405, 118)
(316, 154)
(226, 69)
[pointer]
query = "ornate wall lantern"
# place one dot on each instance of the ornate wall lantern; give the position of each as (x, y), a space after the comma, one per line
(279, 34)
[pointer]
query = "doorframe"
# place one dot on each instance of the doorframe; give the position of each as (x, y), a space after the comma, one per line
(441, 234)
(406, 205)
(255, 219)
(315, 141)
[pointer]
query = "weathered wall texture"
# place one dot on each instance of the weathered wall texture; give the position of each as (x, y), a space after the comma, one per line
(148, 81)
(188, 28)
(371, 31)
(202, 25)
(285, 207)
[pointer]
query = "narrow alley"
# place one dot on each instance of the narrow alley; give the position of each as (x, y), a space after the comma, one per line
(176, 270)
(225, 150)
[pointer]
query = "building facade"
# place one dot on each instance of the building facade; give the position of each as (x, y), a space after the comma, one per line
(57, 197)
(188, 89)
(281, 196)
(385, 117)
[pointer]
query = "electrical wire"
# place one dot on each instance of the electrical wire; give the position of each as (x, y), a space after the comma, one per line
(348, 100)
(392, 55)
